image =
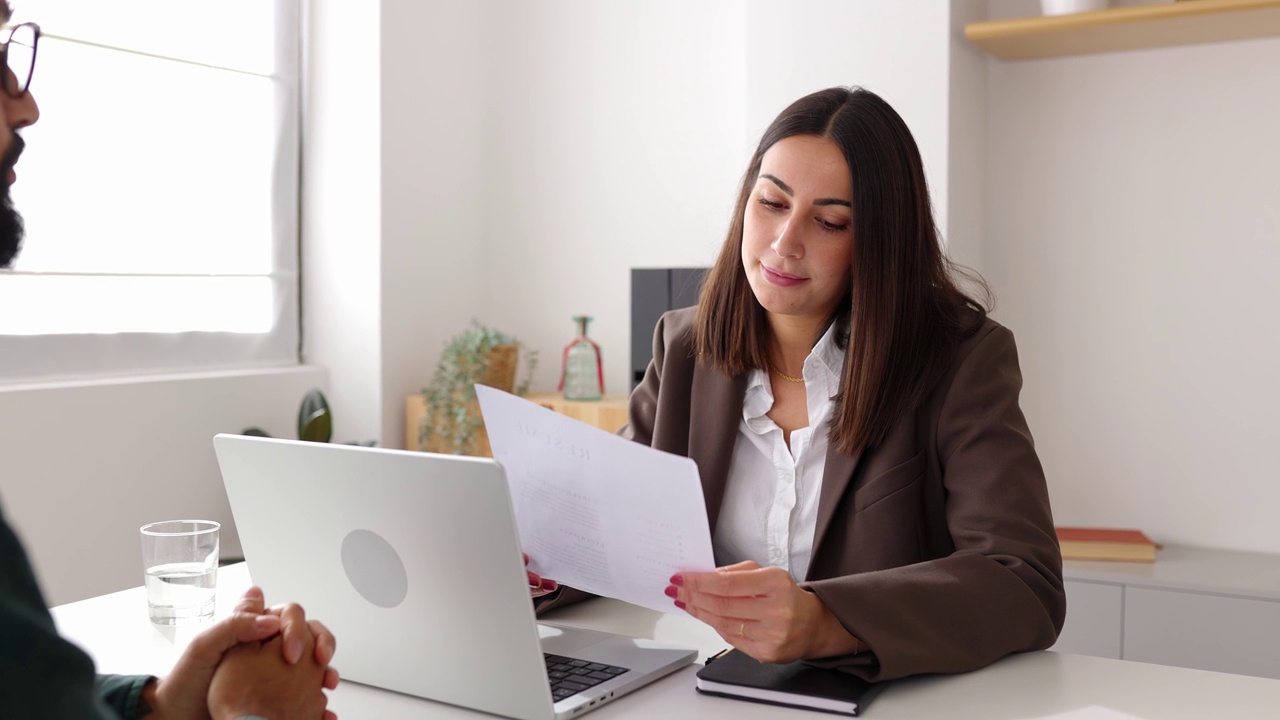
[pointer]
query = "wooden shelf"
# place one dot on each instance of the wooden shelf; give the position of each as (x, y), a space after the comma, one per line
(608, 414)
(1127, 28)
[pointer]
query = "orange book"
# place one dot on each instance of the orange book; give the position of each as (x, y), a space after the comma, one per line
(1105, 544)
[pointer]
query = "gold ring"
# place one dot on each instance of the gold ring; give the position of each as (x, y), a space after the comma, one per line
(742, 629)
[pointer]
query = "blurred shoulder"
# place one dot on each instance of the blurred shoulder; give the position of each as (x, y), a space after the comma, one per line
(676, 327)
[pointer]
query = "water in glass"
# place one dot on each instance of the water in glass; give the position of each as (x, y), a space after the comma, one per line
(181, 593)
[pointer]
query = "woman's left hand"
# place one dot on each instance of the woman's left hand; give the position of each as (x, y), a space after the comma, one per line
(538, 585)
(758, 610)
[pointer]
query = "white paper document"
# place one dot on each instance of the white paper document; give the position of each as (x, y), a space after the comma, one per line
(598, 512)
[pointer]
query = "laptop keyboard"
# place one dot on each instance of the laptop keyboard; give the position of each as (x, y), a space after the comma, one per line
(569, 676)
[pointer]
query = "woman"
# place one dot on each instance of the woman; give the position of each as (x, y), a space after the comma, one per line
(874, 496)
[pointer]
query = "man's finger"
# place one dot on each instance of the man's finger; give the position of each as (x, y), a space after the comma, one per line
(293, 625)
(209, 645)
(246, 627)
(251, 602)
(326, 643)
(330, 678)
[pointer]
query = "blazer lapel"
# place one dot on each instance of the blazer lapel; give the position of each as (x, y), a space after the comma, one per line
(836, 475)
(713, 430)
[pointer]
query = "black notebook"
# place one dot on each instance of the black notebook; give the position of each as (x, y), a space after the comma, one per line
(736, 674)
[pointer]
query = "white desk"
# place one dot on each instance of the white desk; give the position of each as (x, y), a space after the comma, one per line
(115, 631)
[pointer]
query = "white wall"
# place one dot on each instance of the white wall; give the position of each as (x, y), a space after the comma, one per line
(342, 220)
(965, 227)
(898, 50)
(616, 134)
(1134, 230)
(436, 212)
(395, 216)
(87, 464)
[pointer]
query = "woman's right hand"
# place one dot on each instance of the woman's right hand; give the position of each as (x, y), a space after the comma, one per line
(538, 586)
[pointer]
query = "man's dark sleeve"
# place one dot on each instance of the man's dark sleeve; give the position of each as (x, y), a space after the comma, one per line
(123, 694)
(42, 675)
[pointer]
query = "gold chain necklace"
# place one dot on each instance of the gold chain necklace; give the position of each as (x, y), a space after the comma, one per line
(785, 376)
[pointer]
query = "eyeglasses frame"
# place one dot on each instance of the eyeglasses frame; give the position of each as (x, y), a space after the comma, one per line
(22, 87)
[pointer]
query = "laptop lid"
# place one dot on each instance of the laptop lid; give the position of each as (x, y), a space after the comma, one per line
(413, 561)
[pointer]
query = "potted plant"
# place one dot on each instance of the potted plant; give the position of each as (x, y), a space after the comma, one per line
(478, 354)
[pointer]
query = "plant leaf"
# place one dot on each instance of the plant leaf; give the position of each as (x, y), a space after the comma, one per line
(318, 427)
(448, 425)
(315, 422)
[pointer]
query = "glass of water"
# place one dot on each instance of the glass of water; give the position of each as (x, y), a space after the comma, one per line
(180, 558)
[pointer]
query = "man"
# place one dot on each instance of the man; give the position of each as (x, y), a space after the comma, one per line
(258, 663)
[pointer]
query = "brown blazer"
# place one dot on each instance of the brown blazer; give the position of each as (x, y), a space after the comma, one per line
(935, 548)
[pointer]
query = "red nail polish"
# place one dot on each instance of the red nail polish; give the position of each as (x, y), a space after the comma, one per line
(671, 592)
(679, 604)
(677, 580)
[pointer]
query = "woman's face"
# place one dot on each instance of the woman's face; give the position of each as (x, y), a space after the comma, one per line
(797, 238)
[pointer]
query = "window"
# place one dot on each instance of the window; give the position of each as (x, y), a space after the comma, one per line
(159, 190)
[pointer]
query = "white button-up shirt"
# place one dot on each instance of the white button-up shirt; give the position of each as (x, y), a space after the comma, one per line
(770, 507)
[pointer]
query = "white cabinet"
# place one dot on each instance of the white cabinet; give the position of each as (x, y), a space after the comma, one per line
(1207, 632)
(1197, 608)
(1093, 626)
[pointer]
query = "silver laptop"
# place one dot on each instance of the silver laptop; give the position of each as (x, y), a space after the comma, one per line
(413, 561)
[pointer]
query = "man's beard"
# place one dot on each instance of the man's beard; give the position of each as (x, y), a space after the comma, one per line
(10, 221)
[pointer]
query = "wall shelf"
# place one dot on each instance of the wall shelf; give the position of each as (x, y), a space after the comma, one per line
(1127, 28)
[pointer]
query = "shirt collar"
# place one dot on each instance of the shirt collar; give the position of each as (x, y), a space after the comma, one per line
(759, 396)
(826, 358)
(829, 355)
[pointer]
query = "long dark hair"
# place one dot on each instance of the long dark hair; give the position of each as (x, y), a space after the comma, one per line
(905, 312)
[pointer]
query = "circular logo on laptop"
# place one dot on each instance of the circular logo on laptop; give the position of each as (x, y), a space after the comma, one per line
(374, 568)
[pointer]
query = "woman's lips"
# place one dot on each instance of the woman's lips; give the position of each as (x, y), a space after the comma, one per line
(780, 278)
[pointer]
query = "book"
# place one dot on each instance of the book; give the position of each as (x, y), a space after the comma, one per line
(1105, 544)
(735, 674)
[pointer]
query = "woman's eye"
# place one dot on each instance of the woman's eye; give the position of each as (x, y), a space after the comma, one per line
(833, 227)
(770, 204)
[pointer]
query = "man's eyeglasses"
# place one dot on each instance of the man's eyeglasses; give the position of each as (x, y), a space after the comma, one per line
(19, 50)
